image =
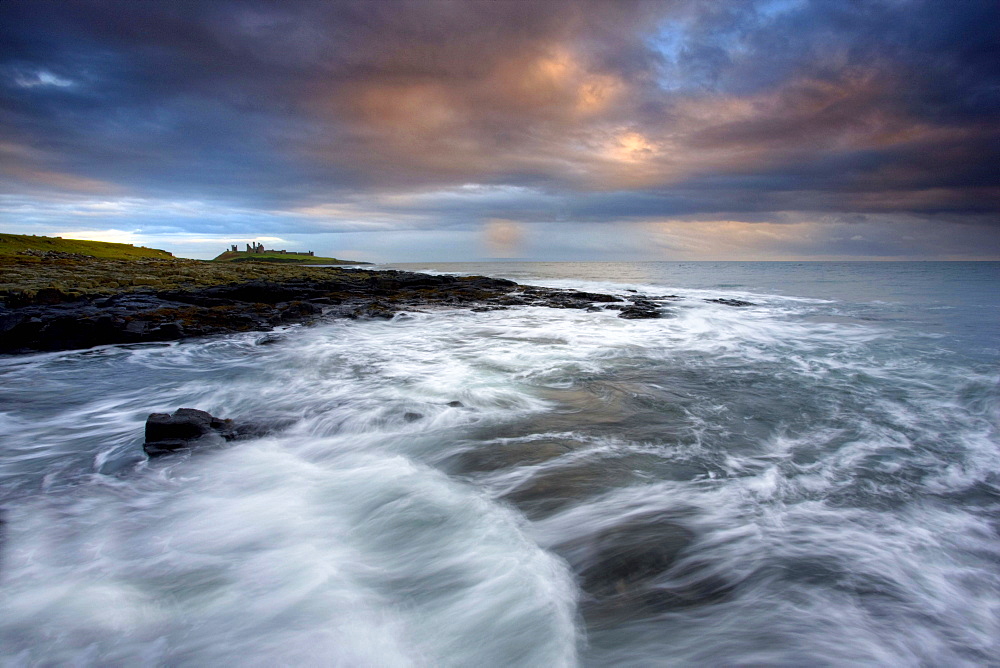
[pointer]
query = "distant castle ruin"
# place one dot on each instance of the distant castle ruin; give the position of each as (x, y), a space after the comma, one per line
(259, 248)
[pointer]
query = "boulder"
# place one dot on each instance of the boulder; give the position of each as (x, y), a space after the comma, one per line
(185, 428)
(624, 559)
(639, 309)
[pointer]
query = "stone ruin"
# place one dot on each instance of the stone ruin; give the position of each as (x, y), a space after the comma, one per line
(259, 248)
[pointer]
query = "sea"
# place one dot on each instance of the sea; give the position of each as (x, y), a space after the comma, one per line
(813, 479)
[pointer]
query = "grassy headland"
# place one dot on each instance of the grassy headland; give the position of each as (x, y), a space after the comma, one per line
(60, 299)
(53, 297)
(29, 264)
(281, 258)
(14, 244)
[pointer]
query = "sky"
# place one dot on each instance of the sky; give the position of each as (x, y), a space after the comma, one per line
(456, 131)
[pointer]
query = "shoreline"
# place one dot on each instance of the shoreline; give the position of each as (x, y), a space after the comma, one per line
(56, 301)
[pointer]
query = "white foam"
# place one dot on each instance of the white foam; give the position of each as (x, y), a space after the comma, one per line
(821, 458)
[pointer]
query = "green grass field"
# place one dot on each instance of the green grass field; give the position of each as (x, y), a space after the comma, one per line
(12, 244)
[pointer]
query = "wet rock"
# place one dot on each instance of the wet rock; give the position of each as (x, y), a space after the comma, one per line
(269, 339)
(185, 428)
(623, 558)
(640, 309)
(188, 428)
(297, 310)
(10, 320)
(168, 331)
(554, 298)
(597, 297)
(373, 310)
(553, 489)
(730, 302)
(412, 417)
(455, 404)
(498, 456)
(633, 570)
(263, 292)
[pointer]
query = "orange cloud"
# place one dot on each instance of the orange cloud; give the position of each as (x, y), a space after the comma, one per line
(522, 113)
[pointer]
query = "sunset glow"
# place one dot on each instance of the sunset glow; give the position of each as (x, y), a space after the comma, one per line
(311, 121)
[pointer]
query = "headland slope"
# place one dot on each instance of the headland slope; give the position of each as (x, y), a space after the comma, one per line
(62, 300)
(281, 258)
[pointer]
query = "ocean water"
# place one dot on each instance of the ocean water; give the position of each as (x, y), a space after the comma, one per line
(811, 480)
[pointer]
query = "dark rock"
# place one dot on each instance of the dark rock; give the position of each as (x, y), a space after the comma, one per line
(730, 302)
(550, 490)
(501, 455)
(633, 569)
(189, 428)
(297, 310)
(10, 320)
(268, 339)
(261, 292)
(623, 557)
(373, 310)
(44, 297)
(412, 417)
(598, 297)
(456, 404)
(639, 309)
(168, 331)
(554, 298)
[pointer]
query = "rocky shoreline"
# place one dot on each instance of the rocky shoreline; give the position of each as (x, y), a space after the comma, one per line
(52, 318)
(53, 302)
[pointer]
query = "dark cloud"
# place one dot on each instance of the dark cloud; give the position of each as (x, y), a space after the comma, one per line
(315, 115)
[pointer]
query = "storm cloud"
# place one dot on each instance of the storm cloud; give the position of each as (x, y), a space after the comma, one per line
(391, 123)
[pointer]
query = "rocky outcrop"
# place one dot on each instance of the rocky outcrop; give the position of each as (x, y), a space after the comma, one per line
(188, 428)
(640, 308)
(634, 568)
(46, 318)
(51, 319)
(730, 302)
